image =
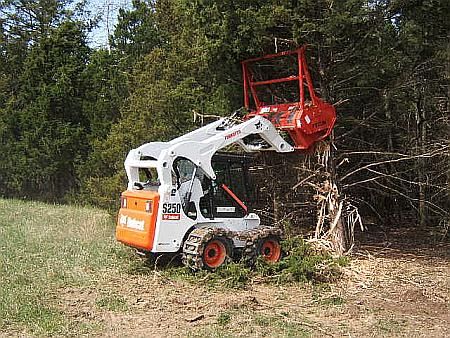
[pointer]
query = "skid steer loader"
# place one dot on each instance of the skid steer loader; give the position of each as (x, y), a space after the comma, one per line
(177, 199)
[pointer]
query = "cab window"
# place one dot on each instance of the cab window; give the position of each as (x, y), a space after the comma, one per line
(148, 179)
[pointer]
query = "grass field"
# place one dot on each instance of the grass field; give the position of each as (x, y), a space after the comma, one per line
(63, 274)
(45, 249)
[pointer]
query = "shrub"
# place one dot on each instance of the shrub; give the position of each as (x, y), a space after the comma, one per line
(301, 263)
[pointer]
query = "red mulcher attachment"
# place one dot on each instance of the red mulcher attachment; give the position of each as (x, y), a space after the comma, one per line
(289, 102)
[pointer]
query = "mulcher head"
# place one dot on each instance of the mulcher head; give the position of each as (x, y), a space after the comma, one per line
(289, 101)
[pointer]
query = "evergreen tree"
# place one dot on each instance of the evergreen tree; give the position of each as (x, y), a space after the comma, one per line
(44, 124)
(69, 115)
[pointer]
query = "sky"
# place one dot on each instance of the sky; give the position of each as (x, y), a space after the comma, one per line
(108, 11)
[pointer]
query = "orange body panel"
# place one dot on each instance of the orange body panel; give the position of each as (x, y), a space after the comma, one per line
(136, 225)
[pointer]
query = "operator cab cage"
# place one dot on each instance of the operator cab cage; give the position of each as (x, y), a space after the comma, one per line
(289, 102)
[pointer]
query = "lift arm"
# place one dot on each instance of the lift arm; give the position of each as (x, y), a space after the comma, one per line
(201, 152)
(200, 145)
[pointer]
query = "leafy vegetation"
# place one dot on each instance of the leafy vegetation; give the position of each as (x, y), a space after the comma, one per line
(301, 263)
(69, 113)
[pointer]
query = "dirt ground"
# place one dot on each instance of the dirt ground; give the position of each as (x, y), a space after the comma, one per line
(395, 286)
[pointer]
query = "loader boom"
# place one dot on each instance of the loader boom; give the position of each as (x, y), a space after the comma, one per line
(200, 145)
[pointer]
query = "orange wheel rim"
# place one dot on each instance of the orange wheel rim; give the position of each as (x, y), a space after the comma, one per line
(271, 250)
(214, 254)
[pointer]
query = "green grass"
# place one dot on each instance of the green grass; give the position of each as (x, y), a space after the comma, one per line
(232, 275)
(112, 303)
(244, 323)
(224, 318)
(389, 326)
(43, 249)
(282, 326)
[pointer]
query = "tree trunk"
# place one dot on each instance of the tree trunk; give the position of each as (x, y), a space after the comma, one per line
(340, 238)
(448, 127)
(388, 115)
(420, 116)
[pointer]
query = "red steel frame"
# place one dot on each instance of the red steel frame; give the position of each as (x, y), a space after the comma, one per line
(305, 121)
(234, 197)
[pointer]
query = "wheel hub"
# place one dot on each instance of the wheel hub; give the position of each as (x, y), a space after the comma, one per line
(214, 254)
(271, 250)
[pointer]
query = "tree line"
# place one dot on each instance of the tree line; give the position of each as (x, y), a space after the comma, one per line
(70, 113)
